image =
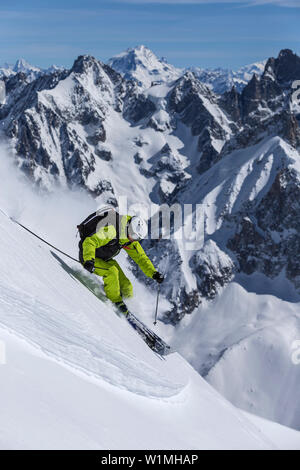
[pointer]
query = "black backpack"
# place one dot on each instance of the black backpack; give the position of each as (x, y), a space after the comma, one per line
(88, 228)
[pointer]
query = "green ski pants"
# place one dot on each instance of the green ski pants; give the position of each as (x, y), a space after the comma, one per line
(116, 284)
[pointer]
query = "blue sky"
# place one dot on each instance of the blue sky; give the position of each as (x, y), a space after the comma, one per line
(194, 32)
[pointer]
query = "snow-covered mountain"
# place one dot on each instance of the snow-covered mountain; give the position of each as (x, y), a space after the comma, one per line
(236, 154)
(143, 66)
(6, 70)
(23, 67)
(221, 80)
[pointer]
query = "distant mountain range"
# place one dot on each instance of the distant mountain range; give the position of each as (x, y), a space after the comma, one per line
(142, 65)
(22, 66)
(145, 68)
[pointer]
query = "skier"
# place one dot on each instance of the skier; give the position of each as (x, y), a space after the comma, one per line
(108, 233)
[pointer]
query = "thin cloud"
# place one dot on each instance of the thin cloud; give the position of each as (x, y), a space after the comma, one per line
(282, 3)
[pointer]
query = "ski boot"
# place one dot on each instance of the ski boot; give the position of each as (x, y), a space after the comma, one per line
(122, 308)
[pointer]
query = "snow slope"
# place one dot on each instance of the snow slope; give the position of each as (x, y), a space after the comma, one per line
(48, 405)
(247, 337)
(286, 438)
(77, 375)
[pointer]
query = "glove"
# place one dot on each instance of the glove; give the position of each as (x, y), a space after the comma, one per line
(158, 277)
(89, 265)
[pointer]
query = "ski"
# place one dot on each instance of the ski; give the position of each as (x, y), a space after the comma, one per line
(151, 339)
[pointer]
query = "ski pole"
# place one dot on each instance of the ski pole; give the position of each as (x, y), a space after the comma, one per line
(156, 310)
(158, 291)
(37, 236)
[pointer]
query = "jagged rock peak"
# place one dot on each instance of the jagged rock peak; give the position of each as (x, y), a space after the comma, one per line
(286, 53)
(285, 68)
(190, 80)
(85, 62)
(255, 79)
(23, 66)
